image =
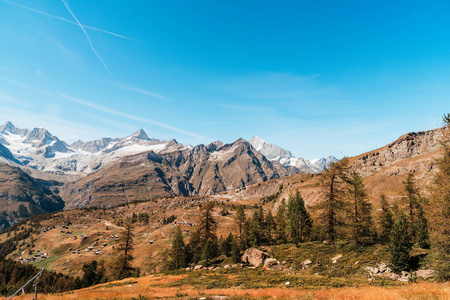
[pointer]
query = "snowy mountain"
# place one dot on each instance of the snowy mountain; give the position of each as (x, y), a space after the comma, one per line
(286, 158)
(38, 149)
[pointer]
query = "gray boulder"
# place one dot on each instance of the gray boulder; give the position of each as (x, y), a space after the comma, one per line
(254, 257)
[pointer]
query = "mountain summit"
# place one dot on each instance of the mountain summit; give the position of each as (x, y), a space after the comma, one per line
(286, 158)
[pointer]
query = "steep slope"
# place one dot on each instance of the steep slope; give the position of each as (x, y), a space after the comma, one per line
(22, 196)
(384, 170)
(286, 158)
(202, 170)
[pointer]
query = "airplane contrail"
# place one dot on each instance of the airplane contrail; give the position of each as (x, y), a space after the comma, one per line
(87, 37)
(65, 20)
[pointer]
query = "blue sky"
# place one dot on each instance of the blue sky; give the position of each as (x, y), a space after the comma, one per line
(315, 77)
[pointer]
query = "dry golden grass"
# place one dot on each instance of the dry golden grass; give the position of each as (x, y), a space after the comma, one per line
(156, 287)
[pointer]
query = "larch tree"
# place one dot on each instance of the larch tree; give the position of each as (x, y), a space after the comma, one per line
(270, 226)
(203, 240)
(361, 209)
(386, 220)
(422, 237)
(124, 249)
(412, 198)
(240, 220)
(333, 205)
(440, 207)
(280, 220)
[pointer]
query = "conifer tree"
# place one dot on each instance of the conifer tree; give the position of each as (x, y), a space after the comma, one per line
(413, 202)
(440, 207)
(205, 234)
(125, 247)
(361, 209)
(240, 220)
(257, 227)
(227, 244)
(334, 204)
(270, 227)
(422, 238)
(280, 220)
(400, 245)
(299, 220)
(235, 252)
(179, 256)
(386, 220)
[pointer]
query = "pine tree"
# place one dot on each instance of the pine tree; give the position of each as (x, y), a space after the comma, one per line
(178, 253)
(334, 204)
(240, 220)
(299, 220)
(422, 238)
(440, 207)
(227, 244)
(400, 245)
(257, 227)
(362, 209)
(90, 274)
(125, 247)
(412, 198)
(205, 232)
(280, 220)
(386, 220)
(235, 252)
(270, 227)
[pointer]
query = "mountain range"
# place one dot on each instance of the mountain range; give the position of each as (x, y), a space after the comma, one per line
(41, 173)
(286, 158)
(109, 171)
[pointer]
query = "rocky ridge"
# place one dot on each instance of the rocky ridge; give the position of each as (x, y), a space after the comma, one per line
(202, 170)
(38, 150)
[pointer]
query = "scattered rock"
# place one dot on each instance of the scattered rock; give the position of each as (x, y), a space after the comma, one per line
(306, 264)
(287, 283)
(198, 267)
(334, 259)
(425, 274)
(254, 256)
(269, 262)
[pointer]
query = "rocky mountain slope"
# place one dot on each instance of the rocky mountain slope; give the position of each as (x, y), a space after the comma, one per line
(202, 170)
(22, 196)
(384, 170)
(286, 158)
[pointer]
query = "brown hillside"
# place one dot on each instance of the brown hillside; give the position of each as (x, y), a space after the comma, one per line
(202, 170)
(18, 188)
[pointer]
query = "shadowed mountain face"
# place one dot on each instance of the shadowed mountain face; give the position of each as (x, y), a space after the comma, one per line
(22, 196)
(202, 170)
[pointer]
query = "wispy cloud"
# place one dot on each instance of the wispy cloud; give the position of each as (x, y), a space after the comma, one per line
(65, 20)
(87, 37)
(143, 92)
(67, 130)
(20, 84)
(129, 116)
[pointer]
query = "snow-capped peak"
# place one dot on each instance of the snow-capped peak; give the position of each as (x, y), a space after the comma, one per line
(286, 158)
(270, 151)
(39, 149)
(141, 134)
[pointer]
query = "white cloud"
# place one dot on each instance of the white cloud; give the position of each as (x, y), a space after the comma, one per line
(65, 20)
(143, 92)
(129, 116)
